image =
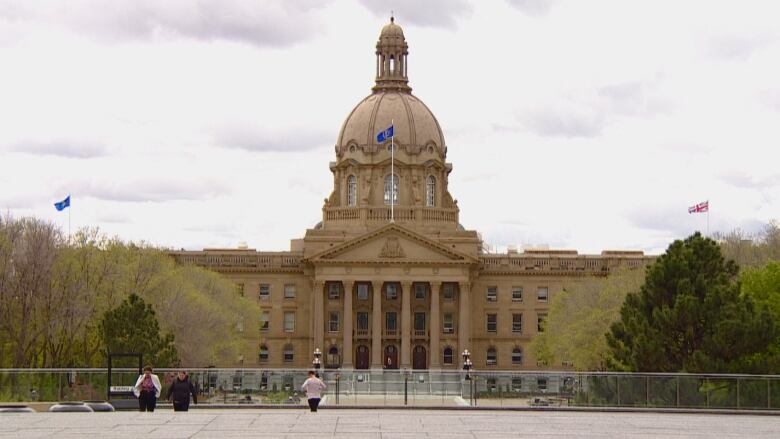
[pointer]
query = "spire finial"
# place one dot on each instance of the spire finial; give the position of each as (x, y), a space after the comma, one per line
(392, 18)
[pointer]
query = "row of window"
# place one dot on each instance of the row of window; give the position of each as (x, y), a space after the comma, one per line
(264, 292)
(491, 295)
(391, 291)
(334, 321)
(391, 190)
(288, 322)
(448, 355)
(491, 322)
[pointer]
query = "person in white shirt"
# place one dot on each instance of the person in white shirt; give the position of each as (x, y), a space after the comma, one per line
(147, 388)
(313, 387)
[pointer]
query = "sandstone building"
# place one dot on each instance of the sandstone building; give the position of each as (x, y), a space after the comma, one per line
(389, 278)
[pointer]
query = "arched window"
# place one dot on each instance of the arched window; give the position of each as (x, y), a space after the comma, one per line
(334, 359)
(263, 353)
(448, 355)
(352, 190)
(289, 353)
(391, 189)
(430, 191)
(492, 356)
(517, 355)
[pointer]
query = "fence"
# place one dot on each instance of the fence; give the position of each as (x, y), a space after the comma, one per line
(418, 388)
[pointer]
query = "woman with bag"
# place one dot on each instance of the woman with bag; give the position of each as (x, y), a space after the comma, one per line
(313, 387)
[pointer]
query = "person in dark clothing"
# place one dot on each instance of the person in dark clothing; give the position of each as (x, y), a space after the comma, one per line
(179, 392)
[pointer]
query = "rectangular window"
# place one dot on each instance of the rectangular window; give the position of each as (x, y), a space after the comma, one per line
(265, 291)
(517, 294)
(492, 323)
(263, 354)
(362, 291)
(419, 323)
(517, 384)
(265, 320)
(492, 294)
(333, 291)
(392, 291)
(333, 322)
(448, 325)
(517, 323)
(541, 383)
(289, 291)
(448, 291)
(419, 291)
(391, 322)
(289, 321)
(541, 294)
(240, 289)
(540, 318)
(289, 354)
(362, 321)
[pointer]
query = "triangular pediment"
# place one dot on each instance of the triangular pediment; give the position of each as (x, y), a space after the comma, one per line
(392, 244)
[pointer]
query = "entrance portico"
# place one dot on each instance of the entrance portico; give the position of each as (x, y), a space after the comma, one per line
(396, 301)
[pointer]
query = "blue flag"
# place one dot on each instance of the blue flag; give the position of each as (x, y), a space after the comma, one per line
(384, 135)
(63, 204)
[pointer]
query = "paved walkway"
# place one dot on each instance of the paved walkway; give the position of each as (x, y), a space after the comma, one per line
(384, 424)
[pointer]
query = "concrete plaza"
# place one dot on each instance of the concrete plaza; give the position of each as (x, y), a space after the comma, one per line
(385, 424)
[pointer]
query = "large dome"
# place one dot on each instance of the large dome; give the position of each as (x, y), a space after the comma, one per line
(415, 127)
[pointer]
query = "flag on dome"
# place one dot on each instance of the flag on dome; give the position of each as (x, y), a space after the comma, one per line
(384, 135)
(704, 206)
(61, 205)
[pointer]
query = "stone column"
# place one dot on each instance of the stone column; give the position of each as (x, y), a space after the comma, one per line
(435, 326)
(464, 320)
(318, 318)
(406, 324)
(347, 327)
(376, 324)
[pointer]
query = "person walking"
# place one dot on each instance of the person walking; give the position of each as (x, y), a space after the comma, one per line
(179, 392)
(313, 387)
(147, 388)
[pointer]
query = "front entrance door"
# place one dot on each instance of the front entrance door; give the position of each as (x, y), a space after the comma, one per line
(361, 357)
(391, 357)
(419, 359)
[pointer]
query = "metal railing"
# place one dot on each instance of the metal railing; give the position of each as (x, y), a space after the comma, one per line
(421, 388)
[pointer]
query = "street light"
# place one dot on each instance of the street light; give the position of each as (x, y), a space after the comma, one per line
(317, 363)
(467, 365)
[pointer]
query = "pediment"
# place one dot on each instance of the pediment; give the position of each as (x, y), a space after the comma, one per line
(392, 244)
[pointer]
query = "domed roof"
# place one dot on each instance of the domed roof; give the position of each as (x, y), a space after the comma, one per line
(392, 30)
(414, 124)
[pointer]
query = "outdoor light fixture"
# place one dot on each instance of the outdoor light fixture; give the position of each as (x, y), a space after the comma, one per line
(317, 363)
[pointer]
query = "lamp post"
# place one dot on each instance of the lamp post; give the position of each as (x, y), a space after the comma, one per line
(317, 363)
(467, 367)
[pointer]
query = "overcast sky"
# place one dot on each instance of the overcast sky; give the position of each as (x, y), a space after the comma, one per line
(585, 125)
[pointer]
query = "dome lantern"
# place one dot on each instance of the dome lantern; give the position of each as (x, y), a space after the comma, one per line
(391, 54)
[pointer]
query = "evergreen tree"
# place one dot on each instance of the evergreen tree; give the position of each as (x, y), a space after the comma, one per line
(133, 327)
(689, 316)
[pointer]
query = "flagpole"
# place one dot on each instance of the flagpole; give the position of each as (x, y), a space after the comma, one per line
(392, 172)
(708, 218)
(68, 225)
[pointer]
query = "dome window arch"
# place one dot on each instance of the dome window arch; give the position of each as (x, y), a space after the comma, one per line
(430, 191)
(448, 356)
(352, 190)
(492, 356)
(263, 357)
(391, 189)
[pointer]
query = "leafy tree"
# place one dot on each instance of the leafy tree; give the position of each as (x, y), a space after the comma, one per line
(752, 251)
(579, 317)
(689, 316)
(133, 327)
(763, 286)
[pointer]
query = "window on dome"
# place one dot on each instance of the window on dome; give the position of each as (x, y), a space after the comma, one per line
(430, 192)
(391, 189)
(351, 190)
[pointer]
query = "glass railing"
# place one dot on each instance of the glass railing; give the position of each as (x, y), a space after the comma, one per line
(365, 388)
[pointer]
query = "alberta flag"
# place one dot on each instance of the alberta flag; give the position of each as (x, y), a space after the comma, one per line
(63, 204)
(384, 135)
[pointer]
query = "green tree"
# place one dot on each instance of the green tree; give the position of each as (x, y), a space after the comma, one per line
(689, 316)
(579, 317)
(762, 285)
(133, 327)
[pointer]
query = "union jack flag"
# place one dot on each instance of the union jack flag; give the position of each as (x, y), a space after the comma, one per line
(704, 206)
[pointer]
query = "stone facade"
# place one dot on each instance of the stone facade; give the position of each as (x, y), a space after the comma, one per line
(389, 278)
